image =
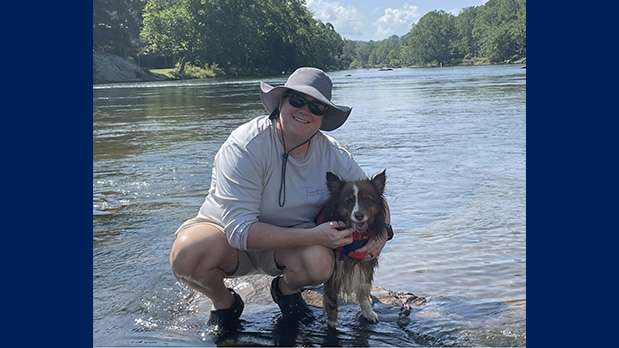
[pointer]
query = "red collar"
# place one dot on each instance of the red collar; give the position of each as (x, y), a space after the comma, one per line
(349, 249)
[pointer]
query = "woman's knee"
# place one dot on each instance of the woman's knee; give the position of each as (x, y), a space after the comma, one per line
(199, 249)
(318, 262)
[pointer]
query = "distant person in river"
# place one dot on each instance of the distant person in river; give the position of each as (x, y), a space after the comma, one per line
(267, 186)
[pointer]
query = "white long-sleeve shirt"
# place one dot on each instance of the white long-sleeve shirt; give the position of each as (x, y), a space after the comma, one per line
(246, 179)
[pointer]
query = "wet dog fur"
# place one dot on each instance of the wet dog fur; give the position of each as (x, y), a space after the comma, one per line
(359, 204)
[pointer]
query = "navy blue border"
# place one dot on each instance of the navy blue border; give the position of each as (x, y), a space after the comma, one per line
(543, 152)
(571, 187)
(46, 140)
(47, 166)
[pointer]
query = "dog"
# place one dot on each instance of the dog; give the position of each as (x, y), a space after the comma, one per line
(361, 205)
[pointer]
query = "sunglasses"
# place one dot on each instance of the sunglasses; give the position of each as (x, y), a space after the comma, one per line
(298, 101)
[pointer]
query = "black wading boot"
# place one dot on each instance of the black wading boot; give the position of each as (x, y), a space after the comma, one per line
(292, 306)
(225, 320)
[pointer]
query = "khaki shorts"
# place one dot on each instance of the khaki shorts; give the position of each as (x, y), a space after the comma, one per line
(250, 261)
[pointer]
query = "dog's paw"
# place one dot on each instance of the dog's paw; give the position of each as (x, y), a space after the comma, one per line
(370, 316)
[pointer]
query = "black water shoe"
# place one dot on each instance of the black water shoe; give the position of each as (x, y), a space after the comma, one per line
(222, 320)
(293, 305)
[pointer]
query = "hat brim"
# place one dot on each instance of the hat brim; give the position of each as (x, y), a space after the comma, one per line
(336, 114)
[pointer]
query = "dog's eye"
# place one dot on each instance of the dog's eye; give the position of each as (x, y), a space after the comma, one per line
(368, 198)
(350, 200)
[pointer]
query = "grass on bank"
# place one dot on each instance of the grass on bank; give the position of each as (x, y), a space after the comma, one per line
(191, 72)
(166, 72)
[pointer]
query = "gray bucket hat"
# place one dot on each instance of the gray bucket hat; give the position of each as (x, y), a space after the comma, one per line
(313, 82)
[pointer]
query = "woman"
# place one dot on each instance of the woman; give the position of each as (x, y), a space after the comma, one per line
(267, 185)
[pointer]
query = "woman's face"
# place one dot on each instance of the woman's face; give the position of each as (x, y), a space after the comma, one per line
(300, 122)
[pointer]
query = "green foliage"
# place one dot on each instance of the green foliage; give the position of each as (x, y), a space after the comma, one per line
(499, 30)
(274, 36)
(170, 29)
(190, 71)
(116, 26)
(468, 46)
(262, 36)
(434, 39)
(491, 33)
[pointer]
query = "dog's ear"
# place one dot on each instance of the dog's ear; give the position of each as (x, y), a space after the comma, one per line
(334, 183)
(379, 181)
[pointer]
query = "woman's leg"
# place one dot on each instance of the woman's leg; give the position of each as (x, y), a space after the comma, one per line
(304, 266)
(201, 257)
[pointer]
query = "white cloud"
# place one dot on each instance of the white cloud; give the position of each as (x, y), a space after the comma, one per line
(354, 24)
(346, 20)
(396, 21)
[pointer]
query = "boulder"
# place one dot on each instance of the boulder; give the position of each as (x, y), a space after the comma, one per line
(111, 68)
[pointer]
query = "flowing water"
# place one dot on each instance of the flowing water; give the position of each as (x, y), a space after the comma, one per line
(452, 141)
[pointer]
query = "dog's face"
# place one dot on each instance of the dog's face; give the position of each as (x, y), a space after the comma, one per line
(359, 204)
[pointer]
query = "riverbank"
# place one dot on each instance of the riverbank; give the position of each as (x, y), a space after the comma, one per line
(190, 72)
(108, 68)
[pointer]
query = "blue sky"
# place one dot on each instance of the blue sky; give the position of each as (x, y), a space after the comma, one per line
(376, 20)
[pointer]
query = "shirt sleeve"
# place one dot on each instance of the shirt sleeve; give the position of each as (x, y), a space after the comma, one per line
(355, 171)
(350, 168)
(238, 192)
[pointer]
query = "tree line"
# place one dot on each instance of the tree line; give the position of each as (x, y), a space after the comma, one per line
(272, 36)
(490, 33)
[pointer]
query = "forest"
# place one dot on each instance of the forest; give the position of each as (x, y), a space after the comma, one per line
(261, 37)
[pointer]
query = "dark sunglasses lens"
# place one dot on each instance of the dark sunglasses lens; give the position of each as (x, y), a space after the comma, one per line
(296, 100)
(317, 109)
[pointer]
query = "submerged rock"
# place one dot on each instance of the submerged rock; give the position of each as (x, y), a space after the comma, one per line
(256, 289)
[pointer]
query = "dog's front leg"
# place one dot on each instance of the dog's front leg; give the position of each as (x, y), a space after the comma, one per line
(363, 297)
(329, 302)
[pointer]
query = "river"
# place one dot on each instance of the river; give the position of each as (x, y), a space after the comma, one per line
(453, 141)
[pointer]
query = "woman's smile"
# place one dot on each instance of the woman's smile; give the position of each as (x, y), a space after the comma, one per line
(301, 119)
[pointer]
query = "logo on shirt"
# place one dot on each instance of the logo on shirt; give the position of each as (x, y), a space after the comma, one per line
(314, 193)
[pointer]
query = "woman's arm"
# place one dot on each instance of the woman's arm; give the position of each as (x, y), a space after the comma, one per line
(329, 234)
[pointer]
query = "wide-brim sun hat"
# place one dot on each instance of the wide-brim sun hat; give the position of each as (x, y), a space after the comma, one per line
(314, 83)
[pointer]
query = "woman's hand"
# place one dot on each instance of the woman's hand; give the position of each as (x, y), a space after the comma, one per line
(373, 248)
(332, 234)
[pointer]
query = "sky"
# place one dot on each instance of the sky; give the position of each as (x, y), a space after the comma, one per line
(377, 20)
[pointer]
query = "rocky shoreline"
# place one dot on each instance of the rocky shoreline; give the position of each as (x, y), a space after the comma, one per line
(109, 68)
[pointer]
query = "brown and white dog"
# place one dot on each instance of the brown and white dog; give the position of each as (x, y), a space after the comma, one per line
(359, 204)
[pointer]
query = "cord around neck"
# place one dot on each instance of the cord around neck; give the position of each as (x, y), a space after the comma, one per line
(282, 184)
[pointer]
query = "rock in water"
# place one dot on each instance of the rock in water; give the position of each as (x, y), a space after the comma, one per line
(404, 300)
(255, 289)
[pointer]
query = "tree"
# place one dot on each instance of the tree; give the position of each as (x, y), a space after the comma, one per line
(171, 29)
(116, 26)
(465, 22)
(500, 30)
(434, 39)
(273, 36)
(262, 36)
(349, 55)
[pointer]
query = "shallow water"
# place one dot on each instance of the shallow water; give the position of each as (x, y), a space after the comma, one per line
(453, 143)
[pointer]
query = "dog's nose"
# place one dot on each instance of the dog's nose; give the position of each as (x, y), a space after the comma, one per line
(359, 215)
